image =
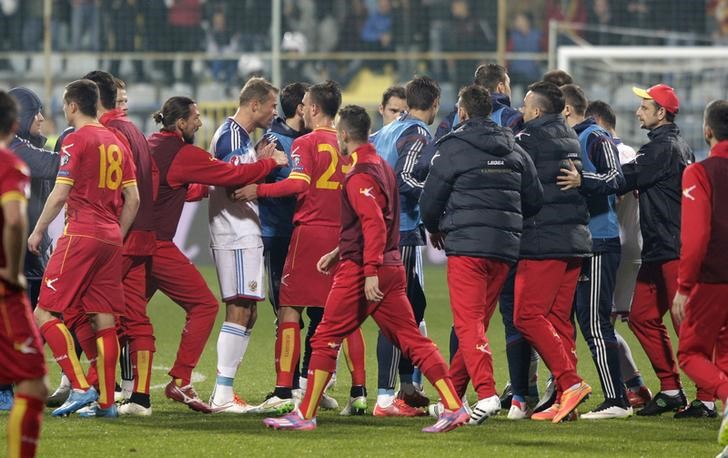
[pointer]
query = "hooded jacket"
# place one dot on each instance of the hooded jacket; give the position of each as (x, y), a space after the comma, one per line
(503, 115)
(480, 187)
(43, 166)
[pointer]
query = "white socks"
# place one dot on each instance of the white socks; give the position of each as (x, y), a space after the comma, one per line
(232, 342)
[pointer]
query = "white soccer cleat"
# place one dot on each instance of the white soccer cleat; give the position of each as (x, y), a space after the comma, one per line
(275, 405)
(328, 403)
(519, 411)
(607, 411)
(484, 409)
(133, 409)
(297, 396)
(235, 405)
(355, 406)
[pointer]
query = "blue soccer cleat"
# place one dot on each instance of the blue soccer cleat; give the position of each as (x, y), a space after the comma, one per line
(76, 400)
(6, 399)
(97, 412)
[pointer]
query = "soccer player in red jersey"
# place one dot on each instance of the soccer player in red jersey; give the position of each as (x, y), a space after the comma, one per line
(316, 175)
(135, 327)
(97, 184)
(21, 350)
(180, 165)
(699, 304)
(369, 280)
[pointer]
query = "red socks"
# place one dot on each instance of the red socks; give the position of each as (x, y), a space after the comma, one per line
(355, 354)
(107, 360)
(61, 344)
(24, 426)
(288, 350)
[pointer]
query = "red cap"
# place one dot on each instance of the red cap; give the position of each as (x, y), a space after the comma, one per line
(662, 94)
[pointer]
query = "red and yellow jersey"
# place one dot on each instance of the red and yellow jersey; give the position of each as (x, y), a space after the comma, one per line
(98, 167)
(315, 159)
(14, 185)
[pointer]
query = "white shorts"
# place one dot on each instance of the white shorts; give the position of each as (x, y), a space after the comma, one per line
(240, 273)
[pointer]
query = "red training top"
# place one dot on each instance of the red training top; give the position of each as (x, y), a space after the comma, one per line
(704, 231)
(14, 185)
(181, 164)
(317, 171)
(370, 213)
(98, 167)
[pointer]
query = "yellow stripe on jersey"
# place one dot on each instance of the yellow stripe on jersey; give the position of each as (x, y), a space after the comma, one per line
(12, 196)
(127, 183)
(65, 180)
(300, 176)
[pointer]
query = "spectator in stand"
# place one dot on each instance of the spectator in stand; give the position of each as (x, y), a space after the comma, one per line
(85, 25)
(32, 18)
(122, 20)
(601, 13)
(185, 32)
(566, 11)
(60, 24)
(524, 38)
(221, 39)
(469, 37)
(376, 34)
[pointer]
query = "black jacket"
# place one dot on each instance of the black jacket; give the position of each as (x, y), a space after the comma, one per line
(480, 185)
(656, 173)
(559, 230)
(43, 165)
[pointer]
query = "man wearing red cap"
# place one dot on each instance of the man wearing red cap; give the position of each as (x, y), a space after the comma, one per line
(656, 173)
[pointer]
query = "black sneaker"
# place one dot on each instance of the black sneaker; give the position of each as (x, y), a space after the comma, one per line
(662, 403)
(507, 396)
(696, 409)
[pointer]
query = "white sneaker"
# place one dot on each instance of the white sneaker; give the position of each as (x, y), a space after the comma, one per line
(328, 403)
(483, 409)
(607, 411)
(276, 405)
(236, 405)
(519, 411)
(132, 408)
(355, 406)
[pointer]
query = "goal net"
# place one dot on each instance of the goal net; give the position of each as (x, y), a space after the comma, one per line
(698, 74)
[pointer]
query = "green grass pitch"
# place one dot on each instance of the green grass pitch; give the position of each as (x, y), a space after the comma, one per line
(174, 430)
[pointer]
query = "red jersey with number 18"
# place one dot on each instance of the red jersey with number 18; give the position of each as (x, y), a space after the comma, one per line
(98, 167)
(315, 159)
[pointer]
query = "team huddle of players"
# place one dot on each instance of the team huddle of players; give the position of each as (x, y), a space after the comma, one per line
(542, 211)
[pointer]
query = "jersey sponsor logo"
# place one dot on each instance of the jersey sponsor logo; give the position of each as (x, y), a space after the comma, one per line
(687, 191)
(367, 192)
(49, 283)
(26, 347)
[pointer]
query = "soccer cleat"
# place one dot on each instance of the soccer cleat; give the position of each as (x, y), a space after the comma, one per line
(638, 399)
(547, 414)
(662, 403)
(549, 396)
(6, 399)
(507, 396)
(416, 399)
(483, 409)
(696, 409)
(76, 400)
(723, 431)
(608, 410)
(328, 403)
(570, 400)
(398, 408)
(297, 394)
(355, 406)
(236, 405)
(519, 411)
(449, 420)
(133, 409)
(59, 396)
(292, 421)
(436, 409)
(94, 411)
(186, 395)
(276, 405)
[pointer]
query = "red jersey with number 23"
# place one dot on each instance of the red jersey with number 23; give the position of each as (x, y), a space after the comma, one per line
(98, 167)
(315, 159)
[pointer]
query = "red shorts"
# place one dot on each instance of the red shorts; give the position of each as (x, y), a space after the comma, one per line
(21, 350)
(83, 272)
(301, 284)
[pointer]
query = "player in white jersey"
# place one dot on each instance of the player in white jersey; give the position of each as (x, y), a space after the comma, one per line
(235, 239)
(631, 260)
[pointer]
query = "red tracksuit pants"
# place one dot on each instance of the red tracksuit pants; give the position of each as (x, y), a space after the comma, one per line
(544, 297)
(174, 275)
(474, 285)
(703, 348)
(135, 326)
(653, 295)
(347, 308)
